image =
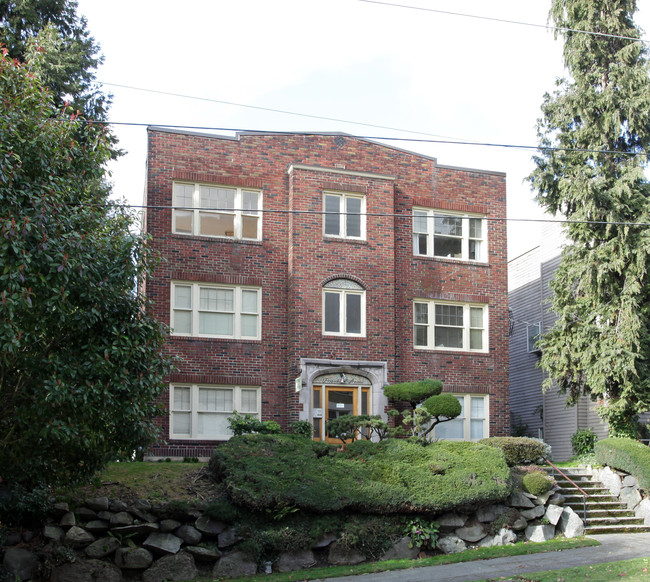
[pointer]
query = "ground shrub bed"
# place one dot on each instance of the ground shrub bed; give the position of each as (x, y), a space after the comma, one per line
(626, 455)
(518, 450)
(281, 474)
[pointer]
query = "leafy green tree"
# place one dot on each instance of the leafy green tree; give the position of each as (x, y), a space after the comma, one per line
(80, 358)
(55, 40)
(594, 137)
(428, 406)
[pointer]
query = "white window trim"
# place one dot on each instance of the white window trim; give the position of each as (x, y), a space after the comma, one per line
(238, 211)
(195, 309)
(342, 311)
(431, 326)
(430, 218)
(344, 197)
(533, 349)
(194, 409)
(467, 418)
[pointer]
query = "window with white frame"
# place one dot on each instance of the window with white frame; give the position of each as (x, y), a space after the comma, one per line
(344, 215)
(470, 425)
(204, 310)
(449, 326)
(344, 308)
(219, 211)
(202, 412)
(439, 233)
(532, 336)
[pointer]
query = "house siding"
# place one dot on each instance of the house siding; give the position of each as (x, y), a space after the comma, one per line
(294, 259)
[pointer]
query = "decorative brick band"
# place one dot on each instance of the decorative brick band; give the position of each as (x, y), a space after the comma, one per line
(344, 276)
(340, 187)
(462, 297)
(215, 379)
(244, 181)
(225, 278)
(453, 206)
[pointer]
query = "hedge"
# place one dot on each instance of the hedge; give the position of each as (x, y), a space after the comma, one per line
(626, 455)
(517, 450)
(276, 472)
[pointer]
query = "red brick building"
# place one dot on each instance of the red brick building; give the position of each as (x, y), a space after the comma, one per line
(302, 273)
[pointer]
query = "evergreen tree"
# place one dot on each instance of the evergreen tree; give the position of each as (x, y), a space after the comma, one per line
(599, 121)
(55, 40)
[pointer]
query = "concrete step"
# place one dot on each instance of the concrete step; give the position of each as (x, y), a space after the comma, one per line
(614, 513)
(605, 529)
(602, 521)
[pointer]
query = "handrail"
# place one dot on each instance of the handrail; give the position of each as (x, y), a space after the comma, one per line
(582, 491)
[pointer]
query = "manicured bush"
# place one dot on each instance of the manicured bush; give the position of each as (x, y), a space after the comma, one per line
(626, 455)
(351, 427)
(537, 482)
(413, 392)
(302, 427)
(517, 450)
(279, 473)
(247, 424)
(583, 441)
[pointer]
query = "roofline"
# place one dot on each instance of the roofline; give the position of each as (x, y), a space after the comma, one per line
(239, 134)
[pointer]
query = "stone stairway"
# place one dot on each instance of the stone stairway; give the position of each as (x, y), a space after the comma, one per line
(604, 513)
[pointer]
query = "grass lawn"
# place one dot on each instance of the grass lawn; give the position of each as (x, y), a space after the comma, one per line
(628, 570)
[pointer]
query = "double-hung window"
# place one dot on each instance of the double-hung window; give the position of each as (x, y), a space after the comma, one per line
(218, 211)
(344, 215)
(202, 412)
(203, 310)
(344, 308)
(449, 326)
(470, 425)
(532, 336)
(438, 233)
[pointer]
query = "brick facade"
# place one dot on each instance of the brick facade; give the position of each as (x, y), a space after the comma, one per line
(295, 259)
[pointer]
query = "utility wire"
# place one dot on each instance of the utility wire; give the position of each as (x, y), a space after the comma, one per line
(505, 21)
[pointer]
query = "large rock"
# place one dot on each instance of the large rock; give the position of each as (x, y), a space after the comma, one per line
(556, 499)
(400, 550)
(339, 556)
(202, 554)
(235, 564)
(98, 504)
(77, 537)
(21, 563)
(133, 558)
(533, 513)
(102, 547)
(518, 499)
(489, 513)
(167, 525)
(326, 540)
(121, 518)
(570, 524)
(208, 526)
(179, 567)
(611, 480)
(630, 481)
(630, 496)
(68, 519)
(542, 498)
(643, 511)
(451, 545)
(505, 537)
(472, 531)
(290, 561)
(135, 530)
(540, 533)
(229, 537)
(53, 533)
(163, 543)
(450, 521)
(96, 526)
(87, 571)
(189, 534)
(553, 514)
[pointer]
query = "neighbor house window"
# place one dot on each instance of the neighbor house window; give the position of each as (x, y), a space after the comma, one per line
(344, 215)
(218, 211)
(344, 308)
(449, 326)
(532, 336)
(203, 310)
(202, 412)
(438, 233)
(470, 425)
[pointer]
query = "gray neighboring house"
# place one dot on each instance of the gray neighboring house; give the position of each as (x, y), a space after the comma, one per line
(543, 415)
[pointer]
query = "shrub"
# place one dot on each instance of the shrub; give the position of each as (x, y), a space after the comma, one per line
(302, 427)
(283, 472)
(537, 482)
(583, 441)
(370, 535)
(517, 450)
(413, 392)
(349, 427)
(247, 424)
(626, 455)
(25, 507)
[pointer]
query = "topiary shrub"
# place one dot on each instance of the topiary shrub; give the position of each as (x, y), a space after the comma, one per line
(583, 441)
(537, 482)
(351, 427)
(517, 450)
(413, 392)
(626, 455)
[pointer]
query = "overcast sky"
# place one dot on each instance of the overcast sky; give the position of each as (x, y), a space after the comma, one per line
(414, 71)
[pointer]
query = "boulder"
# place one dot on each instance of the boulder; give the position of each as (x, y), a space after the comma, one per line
(489, 513)
(325, 541)
(68, 519)
(611, 480)
(209, 526)
(400, 550)
(53, 533)
(102, 547)
(542, 498)
(630, 496)
(202, 554)
(87, 571)
(117, 506)
(519, 499)
(234, 565)
(85, 513)
(630, 481)
(339, 556)
(98, 503)
(21, 563)
(643, 511)
(556, 499)
(450, 521)
(505, 537)
(540, 533)
(167, 525)
(133, 558)
(190, 535)
(533, 513)
(179, 567)
(163, 543)
(121, 519)
(139, 529)
(77, 537)
(520, 524)
(290, 561)
(451, 545)
(229, 537)
(570, 524)
(553, 514)
(472, 531)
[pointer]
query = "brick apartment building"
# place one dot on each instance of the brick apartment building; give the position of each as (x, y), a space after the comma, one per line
(304, 272)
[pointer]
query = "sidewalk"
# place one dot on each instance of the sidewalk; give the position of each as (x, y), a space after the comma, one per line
(614, 547)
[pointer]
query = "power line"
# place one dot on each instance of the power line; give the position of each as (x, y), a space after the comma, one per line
(506, 21)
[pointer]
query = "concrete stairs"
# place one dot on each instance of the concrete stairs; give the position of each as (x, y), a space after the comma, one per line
(604, 513)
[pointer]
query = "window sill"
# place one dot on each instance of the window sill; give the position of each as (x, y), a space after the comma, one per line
(217, 239)
(345, 337)
(343, 239)
(451, 351)
(188, 338)
(454, 261)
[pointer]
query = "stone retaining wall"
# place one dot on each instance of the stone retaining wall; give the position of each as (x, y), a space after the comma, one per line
(111, 541)
(626, 488)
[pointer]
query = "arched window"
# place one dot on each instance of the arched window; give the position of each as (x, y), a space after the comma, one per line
(344, 308)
